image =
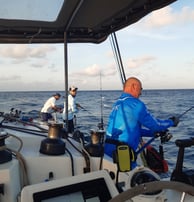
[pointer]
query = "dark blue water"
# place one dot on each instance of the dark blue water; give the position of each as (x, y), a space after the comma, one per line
(98, 104)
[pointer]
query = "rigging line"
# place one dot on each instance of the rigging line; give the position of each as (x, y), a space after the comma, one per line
(72, 163)
(73, 145)
(117, 54)
(117, 58)
(19, 139)
(23, 171)
(23, 130)
(86, 156)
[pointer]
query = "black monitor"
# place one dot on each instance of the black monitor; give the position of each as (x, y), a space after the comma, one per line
(92, 190)
(91, 187)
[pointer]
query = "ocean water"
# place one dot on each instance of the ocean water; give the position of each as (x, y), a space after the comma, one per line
(97, 104)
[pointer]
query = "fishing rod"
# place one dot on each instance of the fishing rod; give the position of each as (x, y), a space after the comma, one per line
(165, 136)
(185, 112)
(101, 124)
(84, 109)
(12, 118)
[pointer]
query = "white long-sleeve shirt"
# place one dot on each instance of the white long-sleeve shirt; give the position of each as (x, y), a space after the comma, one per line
(72, 108)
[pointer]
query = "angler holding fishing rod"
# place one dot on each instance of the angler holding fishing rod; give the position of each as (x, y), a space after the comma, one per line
(49, 106)
(73, 108)
(163, 134)
(130, 120)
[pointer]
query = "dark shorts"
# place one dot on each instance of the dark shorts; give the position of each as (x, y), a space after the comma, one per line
(45, 116)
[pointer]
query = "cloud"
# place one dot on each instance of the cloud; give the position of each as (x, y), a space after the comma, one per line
(139, 62)
(10, 78)
(162, 24)
(23, 51)
(92, 70)
(95, 70)
(41, 51)
(43, 63)
(186, 16)
(159, 18)
(15, 51)
(111, 70)
(167, 16)
(39, 64)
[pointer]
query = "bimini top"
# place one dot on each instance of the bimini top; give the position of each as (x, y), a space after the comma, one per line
(46, 21)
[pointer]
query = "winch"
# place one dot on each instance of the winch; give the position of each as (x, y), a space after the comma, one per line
(95, 147)
(5, 155)
(53, 144)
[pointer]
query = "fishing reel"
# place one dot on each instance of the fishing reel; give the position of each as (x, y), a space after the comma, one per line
(101, 126)
(165, 136)
(13, 115)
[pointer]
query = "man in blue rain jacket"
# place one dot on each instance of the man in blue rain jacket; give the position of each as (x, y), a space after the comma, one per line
(130, 120)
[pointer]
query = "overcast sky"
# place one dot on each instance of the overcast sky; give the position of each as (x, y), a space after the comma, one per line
(159, 50)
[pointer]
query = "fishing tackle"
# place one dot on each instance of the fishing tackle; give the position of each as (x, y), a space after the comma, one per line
(101, 124)
(185, 112)
(84, 109)
(165, 136)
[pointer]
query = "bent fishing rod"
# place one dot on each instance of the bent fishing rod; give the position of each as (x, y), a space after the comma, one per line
(167, 136)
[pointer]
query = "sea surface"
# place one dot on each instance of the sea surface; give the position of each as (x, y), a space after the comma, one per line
(97, 106)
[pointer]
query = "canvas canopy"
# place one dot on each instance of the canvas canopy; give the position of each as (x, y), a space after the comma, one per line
(46, 21)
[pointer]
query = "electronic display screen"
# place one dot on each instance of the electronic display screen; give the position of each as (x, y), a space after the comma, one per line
(94, 190)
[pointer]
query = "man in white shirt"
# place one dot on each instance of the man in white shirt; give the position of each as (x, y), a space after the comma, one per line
(49, 106)
(72, 108)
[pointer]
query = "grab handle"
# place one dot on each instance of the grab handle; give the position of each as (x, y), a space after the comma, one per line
(185, 142)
